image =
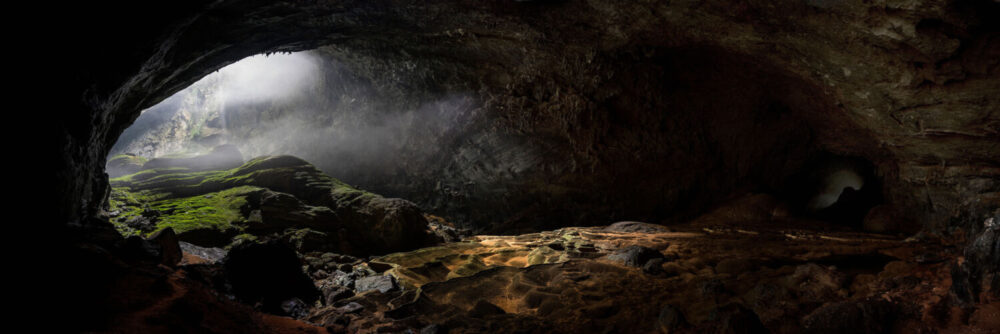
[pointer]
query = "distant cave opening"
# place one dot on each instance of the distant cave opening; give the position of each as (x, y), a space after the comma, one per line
(835, 188)
(684, 130)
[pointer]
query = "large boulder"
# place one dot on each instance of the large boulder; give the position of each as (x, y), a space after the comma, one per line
(635, 256)
(170, 248)
(269, 273)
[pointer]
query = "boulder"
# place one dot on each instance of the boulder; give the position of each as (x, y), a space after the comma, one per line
(269, 273)
(170, 249)
(635, 256)
(383, 284)
(333, 293)
(209, 254)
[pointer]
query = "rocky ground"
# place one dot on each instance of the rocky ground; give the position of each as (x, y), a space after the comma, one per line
(743, 268)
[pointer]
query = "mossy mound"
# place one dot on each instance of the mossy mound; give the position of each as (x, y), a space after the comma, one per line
(267, 197)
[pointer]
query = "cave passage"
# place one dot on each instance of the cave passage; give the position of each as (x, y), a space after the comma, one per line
(531, 167)
(663, 147)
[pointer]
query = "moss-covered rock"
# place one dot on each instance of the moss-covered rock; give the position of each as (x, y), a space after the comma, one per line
(271, 196)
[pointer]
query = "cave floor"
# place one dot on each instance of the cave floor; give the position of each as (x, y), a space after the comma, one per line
(733, 270)
(729, 271)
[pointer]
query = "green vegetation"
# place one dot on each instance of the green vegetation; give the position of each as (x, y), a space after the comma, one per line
(219, 210)
(151, 200)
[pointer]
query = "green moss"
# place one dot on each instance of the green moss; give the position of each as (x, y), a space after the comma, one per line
(220, 210)
(186, 201)
(126, 206)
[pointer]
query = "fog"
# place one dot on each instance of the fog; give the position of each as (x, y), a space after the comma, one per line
(305, 105)
(263, 78)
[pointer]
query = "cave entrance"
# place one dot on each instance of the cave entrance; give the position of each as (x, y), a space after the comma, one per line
(275, 146)
(671, 135)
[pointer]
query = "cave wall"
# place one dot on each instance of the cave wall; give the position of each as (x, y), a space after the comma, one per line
(909, 86)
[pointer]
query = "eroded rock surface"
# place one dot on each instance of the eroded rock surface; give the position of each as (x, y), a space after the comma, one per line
(809, 278)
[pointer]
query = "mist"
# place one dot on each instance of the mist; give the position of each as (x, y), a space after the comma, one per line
(263, 78)
(306, 105)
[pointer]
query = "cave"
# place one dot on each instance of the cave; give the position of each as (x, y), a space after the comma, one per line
(528, 167)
